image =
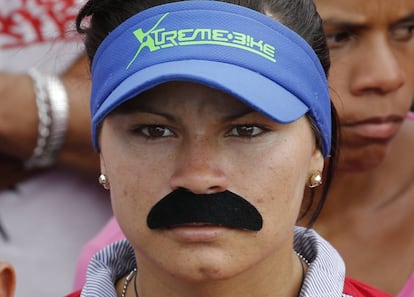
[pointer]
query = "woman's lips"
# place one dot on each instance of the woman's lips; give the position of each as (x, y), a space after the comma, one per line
(374, 129)
(197, 232)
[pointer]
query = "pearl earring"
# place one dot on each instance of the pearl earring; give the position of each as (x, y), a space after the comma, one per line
(103, 180)
(315, 179)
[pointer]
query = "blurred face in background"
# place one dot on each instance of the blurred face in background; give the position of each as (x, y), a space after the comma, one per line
(372, 74)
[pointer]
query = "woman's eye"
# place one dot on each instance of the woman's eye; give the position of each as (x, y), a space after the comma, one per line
(337, 39)
(245, 131)
(403, 33)
(154, 131)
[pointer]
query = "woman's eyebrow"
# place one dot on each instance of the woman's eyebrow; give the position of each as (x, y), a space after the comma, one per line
(239, 115)
(350, 26)
(408, 18)
(130, 108)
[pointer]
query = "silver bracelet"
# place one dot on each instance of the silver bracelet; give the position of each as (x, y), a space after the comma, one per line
(53, 109)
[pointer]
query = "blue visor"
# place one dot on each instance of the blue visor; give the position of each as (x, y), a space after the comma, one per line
(224, 46)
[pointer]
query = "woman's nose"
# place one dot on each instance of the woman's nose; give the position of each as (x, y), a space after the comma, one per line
(200, 168)
(379, 69)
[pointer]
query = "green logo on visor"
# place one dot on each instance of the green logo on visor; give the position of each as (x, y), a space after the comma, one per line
(159, 38)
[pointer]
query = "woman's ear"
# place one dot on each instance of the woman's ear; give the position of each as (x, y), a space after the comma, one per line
(103, 169)
(103, 179)
(7, 280)
(317, 161)
(316, 169)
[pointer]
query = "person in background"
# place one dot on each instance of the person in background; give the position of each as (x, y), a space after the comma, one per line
(7, 280)
(369, 211)
(210, 126)
(48, 205)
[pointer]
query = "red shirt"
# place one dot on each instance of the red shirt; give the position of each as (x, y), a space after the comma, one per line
(358, 289)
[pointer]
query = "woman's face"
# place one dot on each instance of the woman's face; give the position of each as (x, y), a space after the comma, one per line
(187, 136)
(372, 73)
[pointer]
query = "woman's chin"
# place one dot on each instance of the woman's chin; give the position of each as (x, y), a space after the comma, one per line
(361, 160)
(205, 272)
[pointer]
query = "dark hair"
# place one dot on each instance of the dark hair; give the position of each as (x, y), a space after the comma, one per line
(299, 15)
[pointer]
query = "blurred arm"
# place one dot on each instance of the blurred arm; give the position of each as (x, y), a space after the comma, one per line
(19, 124)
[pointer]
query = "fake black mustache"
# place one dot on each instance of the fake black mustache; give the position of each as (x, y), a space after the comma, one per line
(226, 208)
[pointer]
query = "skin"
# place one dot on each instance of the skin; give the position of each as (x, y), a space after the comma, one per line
(18, 130)
(206, 142)
(371, 79)
(7, 280)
